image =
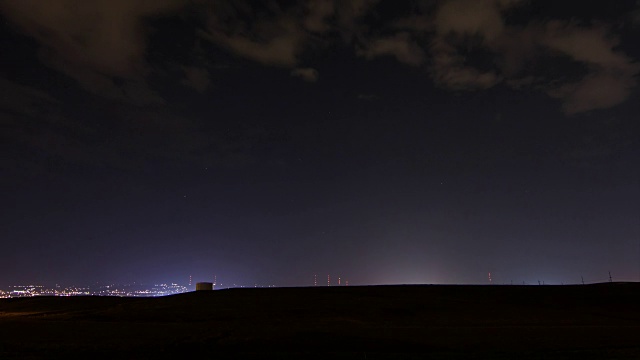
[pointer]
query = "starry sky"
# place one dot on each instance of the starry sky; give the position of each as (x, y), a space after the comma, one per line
(264, 142)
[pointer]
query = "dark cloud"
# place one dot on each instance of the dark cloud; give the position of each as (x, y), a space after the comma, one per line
(34, 125)
(30, 121)
(306, 74)
(611, 73)
(23, 100)
(317, 15)
(349, 18)
(401, 46)
(43, 135)
(470, 17)
(634, 15)
(196, 78)
(461, 44)
(449, 69)
(607, 82)
(101, 44)
(454, 22)
(277, 34)
(271, 35)
(280, 48)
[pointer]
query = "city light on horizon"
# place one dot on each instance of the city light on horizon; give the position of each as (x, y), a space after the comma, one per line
(255, 144)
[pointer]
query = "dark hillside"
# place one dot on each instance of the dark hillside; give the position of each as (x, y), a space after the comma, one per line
(442, 321)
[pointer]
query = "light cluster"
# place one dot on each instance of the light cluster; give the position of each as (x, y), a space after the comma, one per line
(134, 290)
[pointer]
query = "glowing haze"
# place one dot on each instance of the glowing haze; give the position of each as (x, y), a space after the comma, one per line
(268, 142)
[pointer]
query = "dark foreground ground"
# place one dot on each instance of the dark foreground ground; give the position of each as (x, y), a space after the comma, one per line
(599, 321)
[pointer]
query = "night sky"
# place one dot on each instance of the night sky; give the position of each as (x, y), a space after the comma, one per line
(382, 142)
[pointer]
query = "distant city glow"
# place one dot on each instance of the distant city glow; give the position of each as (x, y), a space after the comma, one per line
(134, 290)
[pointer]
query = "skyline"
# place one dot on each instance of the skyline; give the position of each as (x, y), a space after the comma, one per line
(136, 289)
(429, 142)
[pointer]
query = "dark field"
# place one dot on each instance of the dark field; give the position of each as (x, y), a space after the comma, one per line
(599, 321)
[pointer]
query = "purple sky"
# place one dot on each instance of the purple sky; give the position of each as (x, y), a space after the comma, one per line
(382, 142)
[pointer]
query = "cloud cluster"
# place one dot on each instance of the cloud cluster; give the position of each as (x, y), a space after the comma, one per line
(196, 78)
(101, 43)
(306, 74)
(611, 74)
(401, 46)
(22, 100)
(442, 38)
(269, 34)
(277, 33)
(479, 25)
(460, 44)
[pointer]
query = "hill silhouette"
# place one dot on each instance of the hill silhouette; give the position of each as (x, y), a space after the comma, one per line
(408, 321)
